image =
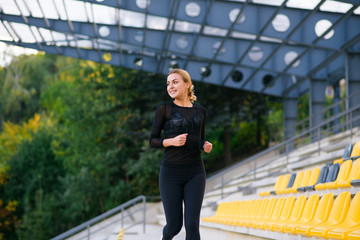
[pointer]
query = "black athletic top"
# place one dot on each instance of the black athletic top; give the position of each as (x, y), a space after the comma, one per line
(176, 120)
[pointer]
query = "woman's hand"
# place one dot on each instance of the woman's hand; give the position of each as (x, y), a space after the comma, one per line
(207, 147)
(177, 141)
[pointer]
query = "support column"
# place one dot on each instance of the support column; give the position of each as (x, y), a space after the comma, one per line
(290, 114)
(336, 109)
(316, 104)
(317, 101)
(353, 84)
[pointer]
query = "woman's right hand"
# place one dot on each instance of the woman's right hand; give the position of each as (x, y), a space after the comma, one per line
(177, 141)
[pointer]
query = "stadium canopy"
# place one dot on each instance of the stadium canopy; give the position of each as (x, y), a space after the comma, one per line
(273, 47)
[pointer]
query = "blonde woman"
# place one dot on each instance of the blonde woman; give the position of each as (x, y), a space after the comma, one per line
(182, 175)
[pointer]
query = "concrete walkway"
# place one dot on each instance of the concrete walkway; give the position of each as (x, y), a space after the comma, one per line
(153, 232)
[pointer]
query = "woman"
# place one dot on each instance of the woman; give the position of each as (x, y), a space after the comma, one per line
(182, 174)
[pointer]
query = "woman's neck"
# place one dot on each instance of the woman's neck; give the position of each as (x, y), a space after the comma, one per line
(183, 102)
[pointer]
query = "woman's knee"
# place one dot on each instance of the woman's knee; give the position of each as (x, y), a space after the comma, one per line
(173, 228)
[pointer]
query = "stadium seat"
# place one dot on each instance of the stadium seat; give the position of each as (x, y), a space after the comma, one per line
(314, 175)
(321, 179)
(354, 174)
(219, 211)
(346, 155)
(355, 183)
(342, 176)
(347, 151)
(223, 212)
(351, 223)
(273, 215)
(237, 209)
(339, 161)
(277, 185)
(283, 184)
(354, 235)
(267, 212)
(248, 213)
(285, 214)
(321, 215)
(230, 212)
(252, 214)
(259, 215)
(241, 213)
(295, 215)
(337, 215)
(287, 184)
(331, 176)
(295, 185)
(307, 215)
(355, 153)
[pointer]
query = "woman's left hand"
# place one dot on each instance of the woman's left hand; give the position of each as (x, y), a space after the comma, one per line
(207, 147)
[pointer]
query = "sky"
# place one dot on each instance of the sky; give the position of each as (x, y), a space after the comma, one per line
(8, 51)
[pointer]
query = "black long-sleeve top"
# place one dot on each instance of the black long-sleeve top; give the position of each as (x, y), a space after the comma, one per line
(176, 120)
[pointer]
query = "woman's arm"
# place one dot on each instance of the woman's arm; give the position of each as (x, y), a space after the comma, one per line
(155, 136)
(206, 146)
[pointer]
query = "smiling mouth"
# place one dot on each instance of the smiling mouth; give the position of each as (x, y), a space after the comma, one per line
(172, 92)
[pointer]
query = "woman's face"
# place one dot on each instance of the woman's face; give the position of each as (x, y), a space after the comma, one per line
(176, 87)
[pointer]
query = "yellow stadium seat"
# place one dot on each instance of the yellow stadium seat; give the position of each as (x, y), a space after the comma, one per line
(295, 215)
(296, 184)
(322, 214)
(340, 161)
(276, 186)
(267, 212)
(260, 213)
(218, 212)
(285, 214)
(283, 185)
(237, 209)
(311, 181)
(230, 210)
(354, 174)
(241, 212)
(222, 212)
(354, 235)
(307, 215)
(248, 207)
(351, 223)
(355, 153)
(272, 215)
(337, 215)
(305, 179)
(254, 209)
(343, 175)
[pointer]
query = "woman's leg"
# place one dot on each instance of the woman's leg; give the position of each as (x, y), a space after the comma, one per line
(171, 197)
(193, 197)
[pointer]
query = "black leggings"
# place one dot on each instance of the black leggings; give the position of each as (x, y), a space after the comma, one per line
(178, 185)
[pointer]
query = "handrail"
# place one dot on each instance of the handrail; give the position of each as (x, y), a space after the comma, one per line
(285, 144)
(303, 122)
(88, 224)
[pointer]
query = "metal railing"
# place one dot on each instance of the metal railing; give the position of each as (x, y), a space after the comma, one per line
(343, 121)
(120, 209)
(325, 113)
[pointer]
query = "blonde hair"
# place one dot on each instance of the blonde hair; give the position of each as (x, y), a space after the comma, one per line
(186, 77)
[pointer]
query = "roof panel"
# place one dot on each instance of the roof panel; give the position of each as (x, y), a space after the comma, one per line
(256, 38)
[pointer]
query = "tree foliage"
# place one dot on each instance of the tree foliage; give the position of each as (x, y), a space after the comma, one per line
(74, 140)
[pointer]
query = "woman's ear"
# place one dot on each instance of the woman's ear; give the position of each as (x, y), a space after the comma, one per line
(188, 84)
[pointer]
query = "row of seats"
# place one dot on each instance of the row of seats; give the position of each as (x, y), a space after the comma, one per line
(324, 217)
(342, 173)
